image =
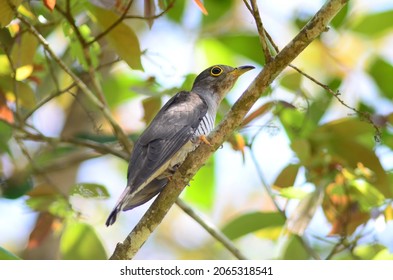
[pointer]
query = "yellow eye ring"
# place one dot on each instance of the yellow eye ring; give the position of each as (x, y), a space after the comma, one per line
(216, 71)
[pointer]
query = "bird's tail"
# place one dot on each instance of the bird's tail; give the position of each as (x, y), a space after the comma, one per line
(119, 205)
(112, 216)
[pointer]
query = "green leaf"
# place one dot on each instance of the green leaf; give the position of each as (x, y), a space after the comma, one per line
(340, 18)
(296, 123)
(17, 185)
(350, 129)
(6, 38)
(77, 53)
(89, 190)
(216, 10)
(293, 193)
(42, 203)
(6, 13)
(291, 81)
(45, 198)
(367, 252)
(24, 49)
(118, 88)
(382, 73)
(352, 153)
(7, 255)
(319, 105)
(287, 176)
(201, 189)
(79, 241)
(251, 222)
(294, 250)
(76, 49)
(366, 194)
(302, 148)
(375, 24)
(384, 255)
(26, 96)
(177, 11)
(5, 136)
(247, 45)
(5, 69)
(215, 52)
(122, 38)
(151, 106)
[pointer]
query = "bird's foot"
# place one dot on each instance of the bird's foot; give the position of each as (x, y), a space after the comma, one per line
(203, 139)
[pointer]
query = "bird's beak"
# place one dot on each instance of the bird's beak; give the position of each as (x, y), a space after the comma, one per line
(241, 70)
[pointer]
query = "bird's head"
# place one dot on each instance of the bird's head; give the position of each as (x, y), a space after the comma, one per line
(217, 80)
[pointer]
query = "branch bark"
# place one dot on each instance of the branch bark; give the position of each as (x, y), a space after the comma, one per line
(153, 217)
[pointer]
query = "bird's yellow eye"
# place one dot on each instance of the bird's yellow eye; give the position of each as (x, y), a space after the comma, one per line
(216, 71)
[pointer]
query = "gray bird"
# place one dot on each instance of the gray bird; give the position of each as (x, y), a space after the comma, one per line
(178, 128)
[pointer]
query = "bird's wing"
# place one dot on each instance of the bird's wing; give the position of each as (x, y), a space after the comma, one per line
(173, 127)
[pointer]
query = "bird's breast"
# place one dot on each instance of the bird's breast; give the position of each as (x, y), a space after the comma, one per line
(205, 126)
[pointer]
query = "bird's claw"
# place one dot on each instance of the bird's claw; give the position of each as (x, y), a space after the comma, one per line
(203, 139)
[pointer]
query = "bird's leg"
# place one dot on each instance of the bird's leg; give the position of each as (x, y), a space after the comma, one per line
(203, 139)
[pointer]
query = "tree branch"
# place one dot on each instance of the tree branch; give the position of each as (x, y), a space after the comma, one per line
(233, 119)
(214, 232)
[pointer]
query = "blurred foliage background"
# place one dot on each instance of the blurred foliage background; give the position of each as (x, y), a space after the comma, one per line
(308, 175)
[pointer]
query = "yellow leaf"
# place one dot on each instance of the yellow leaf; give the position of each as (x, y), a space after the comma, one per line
(388, 213)
(5, 68)
(6, 12)
(14, 29)
(287, 177)
(270, 233)
(24, 50)
(23, 72)
(26, 12)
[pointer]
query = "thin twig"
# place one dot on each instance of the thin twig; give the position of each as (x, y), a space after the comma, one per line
(337, 94)
(125, 16)
(100, 148)
(113, 25)
(170, 5)
(85, 47)
(52, 72)
(338, 247)
(45, 100)
(261, 30)
(210, 228)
